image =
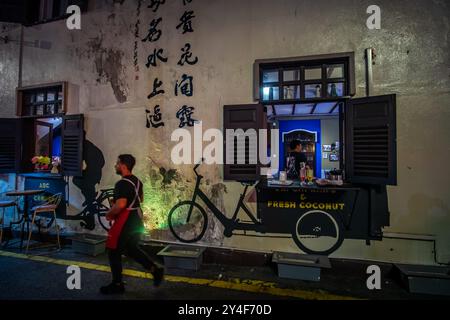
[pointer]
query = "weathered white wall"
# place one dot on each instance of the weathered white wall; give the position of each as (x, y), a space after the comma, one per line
(412, 61)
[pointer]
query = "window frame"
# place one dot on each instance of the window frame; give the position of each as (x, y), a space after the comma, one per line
(41, 88)
(353, 173)
(301, 63)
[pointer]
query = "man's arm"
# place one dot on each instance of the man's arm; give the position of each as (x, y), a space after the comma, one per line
(118, 206)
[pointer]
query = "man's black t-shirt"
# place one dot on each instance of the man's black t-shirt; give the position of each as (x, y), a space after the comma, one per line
(124, 189)
(293, 164)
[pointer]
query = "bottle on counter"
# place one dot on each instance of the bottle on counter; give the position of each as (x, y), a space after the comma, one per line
(302, 172)
(309, 175)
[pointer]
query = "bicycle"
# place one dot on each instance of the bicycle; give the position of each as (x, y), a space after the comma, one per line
(99, 207)
(188, 222)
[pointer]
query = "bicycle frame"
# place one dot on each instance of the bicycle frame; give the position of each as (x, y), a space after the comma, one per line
(230, 224)
(87, 214)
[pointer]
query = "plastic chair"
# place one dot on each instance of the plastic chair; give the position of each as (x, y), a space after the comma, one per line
(50, 205)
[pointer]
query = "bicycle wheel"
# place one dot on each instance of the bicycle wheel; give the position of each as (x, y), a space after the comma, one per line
(103, 206)
(318, 232)
(184, 228)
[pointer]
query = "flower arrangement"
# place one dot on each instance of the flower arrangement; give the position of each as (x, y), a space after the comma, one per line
(41, 162)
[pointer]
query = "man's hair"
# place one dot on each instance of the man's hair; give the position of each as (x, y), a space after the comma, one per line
(128, 160)
(294, 144)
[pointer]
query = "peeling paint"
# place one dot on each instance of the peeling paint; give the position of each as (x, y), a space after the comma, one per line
(164, 188)
(109, 67)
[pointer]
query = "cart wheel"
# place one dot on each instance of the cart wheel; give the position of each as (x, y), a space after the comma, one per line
(188, 228)
(318, 232)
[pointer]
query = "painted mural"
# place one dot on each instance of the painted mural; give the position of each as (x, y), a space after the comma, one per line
(146, 68)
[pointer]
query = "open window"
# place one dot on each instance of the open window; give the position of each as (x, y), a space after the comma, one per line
(310, 99)
(23, 138)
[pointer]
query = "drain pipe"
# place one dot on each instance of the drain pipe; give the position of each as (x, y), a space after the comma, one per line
(369, 55)
(19, 83)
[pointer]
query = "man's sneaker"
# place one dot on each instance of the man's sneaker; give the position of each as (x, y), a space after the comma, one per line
(158, 276)
(113, 288)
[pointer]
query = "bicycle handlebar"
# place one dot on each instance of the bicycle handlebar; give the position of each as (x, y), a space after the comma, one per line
(198, 165)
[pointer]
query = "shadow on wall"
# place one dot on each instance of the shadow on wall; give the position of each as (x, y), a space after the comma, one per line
(92, 175)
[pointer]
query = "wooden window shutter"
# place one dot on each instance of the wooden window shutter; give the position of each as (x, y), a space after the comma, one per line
(72, 145)
(371, 147)
(10, 145)
(251, 116)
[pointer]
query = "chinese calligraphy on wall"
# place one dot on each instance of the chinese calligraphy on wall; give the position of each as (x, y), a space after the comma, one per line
(159, 56)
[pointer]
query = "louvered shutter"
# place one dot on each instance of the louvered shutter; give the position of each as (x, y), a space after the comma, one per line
(242, 117)
(370, 149)
(72, 145)
(10, 145)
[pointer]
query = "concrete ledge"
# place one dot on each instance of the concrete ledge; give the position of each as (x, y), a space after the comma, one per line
(89, 244)
(182, 257)
(424, 279)
(300, 266)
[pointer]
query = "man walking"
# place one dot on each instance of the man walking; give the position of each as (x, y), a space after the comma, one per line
(127, 228)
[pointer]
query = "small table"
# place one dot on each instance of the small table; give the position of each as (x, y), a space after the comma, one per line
(24, 219)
